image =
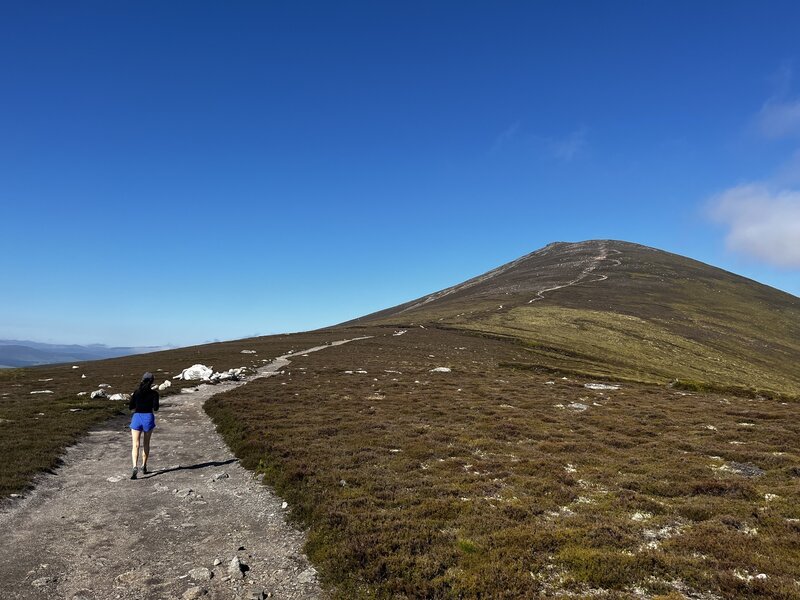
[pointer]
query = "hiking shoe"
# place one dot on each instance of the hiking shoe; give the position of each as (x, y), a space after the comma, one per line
(135, 471)
(144, 470)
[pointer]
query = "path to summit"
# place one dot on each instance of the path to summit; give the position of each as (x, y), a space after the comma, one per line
(89, 532)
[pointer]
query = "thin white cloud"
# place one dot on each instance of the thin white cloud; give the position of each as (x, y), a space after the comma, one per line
(569, 147)
(762, 223)
(505, 137)
(779, 119)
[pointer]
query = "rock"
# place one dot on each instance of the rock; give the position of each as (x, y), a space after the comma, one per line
(42, 392)
(120, 397)
(577, 406)
(248, 352)
(82, 393)
(193, 593)
(75, 409)
(104, 385)
(217, 562)
(308, 576)
(184, 493)
(75, 367)
(195, 373)
(98, 394)
(600, 386)
(43, 581)
(83, 376)
(441, 370)
(201, 574)
(743, 469)
(236, 569)
(285, 505)
(164, 385)
(218, 476)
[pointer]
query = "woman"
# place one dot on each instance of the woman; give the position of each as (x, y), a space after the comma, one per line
(144, 402)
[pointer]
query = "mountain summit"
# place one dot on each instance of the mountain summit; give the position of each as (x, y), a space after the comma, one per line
(615, 308)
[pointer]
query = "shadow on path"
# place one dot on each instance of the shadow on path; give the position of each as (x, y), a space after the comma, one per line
(212, 463)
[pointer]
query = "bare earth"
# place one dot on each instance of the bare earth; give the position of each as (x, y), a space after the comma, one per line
(89, 532)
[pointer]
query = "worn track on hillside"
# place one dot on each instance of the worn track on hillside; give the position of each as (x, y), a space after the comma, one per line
(89, 532)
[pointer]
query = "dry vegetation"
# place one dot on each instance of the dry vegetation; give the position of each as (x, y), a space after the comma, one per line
(485, 483)
(36, 428)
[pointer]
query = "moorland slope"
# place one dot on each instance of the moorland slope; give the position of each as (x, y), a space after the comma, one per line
(618, 309)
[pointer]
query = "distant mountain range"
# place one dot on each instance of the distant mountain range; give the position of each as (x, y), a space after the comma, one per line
(25, 353)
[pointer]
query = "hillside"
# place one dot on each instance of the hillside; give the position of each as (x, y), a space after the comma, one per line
(481, 453)
(611, 308)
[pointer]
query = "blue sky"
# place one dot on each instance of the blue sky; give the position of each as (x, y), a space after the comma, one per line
(178, 172)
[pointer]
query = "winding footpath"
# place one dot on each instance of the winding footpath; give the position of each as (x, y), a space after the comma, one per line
(589, 270)
(89, 532)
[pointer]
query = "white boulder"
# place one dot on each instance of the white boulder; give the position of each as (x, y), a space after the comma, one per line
(98, 394)
(195, 373)
(600, 386)
(120, 397)
(164, 385)
(441, 370)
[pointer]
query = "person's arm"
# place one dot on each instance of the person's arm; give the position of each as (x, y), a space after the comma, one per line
(132, 401)
(155, 402)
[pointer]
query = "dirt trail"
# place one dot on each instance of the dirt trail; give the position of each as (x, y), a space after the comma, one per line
(589, 270)
(89, 532)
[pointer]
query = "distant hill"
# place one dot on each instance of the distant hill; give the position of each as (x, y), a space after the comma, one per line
(24, 353)
(614, 308)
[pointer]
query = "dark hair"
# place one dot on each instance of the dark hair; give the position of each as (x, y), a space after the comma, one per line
(147, 381)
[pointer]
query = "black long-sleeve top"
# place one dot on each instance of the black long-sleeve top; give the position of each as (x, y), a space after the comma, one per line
(144, 401)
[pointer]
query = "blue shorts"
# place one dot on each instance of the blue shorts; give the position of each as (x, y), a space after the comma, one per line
(143, 421)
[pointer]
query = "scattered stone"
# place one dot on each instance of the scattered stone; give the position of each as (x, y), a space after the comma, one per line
(743, 469)
(600, 386)
(75, 367)
(441, 370)
(82, 393)
(201, 574)
(307, 576)
(577, 406)
(83, 376)
(236, 569)
(771, 497)
(193, 593)
(195, 373)
(43, 581)
(641, 516)
(285, 505)
(164, 385)
(248, 352)
(115, 479)
(217, 562)
(75, 409)
(42, 392)
(570, 469)
(98, 394)
(104, 385)
(711, 427)
(184, 493)
(120, 397)
(218, 476)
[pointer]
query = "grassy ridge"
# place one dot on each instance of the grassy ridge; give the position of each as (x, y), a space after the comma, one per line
(639, 313)
(484, 483)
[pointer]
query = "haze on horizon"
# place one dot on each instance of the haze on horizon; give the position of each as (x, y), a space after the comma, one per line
(183, 172)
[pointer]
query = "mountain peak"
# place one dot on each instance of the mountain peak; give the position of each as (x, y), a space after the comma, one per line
(615, 307)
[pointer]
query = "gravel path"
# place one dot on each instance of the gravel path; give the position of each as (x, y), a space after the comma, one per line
(89, 532)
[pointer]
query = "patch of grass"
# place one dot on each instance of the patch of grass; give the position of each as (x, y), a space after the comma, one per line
(481, 483)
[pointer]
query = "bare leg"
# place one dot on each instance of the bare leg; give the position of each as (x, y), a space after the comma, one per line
(135, 433)
(146, 446)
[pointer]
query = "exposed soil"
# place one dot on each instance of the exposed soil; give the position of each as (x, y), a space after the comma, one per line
(88, 531)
